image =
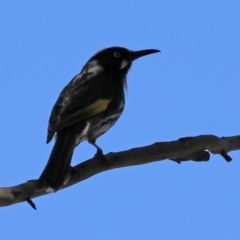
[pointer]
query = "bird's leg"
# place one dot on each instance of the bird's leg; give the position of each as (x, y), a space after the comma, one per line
(100, 154)
(99, 150)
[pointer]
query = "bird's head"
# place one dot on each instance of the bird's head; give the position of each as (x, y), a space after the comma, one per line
(116, 59)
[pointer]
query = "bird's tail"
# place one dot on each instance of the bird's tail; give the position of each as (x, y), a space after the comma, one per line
(58, 165)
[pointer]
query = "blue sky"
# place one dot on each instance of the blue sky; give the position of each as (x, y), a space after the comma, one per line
(190, 88)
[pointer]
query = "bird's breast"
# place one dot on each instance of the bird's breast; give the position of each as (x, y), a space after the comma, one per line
(104, 121)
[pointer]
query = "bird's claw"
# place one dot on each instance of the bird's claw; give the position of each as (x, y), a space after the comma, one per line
(99, 154)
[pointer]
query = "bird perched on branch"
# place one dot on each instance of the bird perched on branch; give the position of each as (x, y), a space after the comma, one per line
(86, 108)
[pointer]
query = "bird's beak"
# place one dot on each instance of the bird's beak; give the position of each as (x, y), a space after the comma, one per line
(141, 53)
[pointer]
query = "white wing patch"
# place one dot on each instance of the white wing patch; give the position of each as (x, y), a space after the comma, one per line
(94, 67)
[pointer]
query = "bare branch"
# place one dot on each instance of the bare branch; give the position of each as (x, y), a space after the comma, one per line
(184, 149)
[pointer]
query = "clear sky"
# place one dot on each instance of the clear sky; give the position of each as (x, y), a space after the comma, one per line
(190, 88)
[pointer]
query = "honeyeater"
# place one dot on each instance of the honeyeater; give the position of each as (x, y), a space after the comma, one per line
(87, 107)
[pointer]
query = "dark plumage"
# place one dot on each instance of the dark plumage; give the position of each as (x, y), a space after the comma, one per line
(87, 107)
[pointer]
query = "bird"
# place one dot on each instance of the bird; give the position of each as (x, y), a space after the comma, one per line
(88, 106)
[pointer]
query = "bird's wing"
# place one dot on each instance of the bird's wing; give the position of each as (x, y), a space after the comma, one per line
(83, 97)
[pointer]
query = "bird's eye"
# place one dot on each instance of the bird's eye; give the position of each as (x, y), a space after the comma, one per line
(116, 54)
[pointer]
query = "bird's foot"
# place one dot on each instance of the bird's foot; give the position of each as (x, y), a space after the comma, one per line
(104, 158)
(99, 154)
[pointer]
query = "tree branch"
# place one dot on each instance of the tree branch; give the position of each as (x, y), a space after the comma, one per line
(184, 149)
